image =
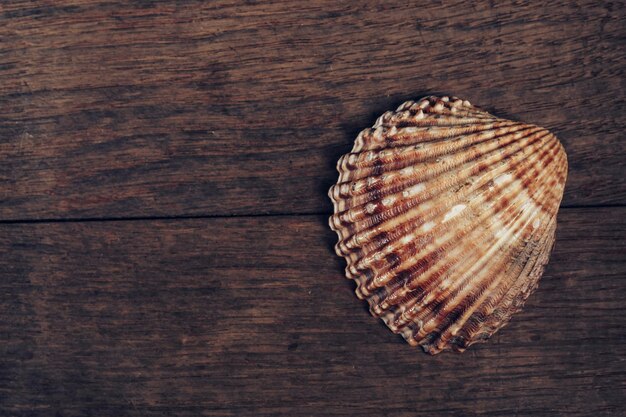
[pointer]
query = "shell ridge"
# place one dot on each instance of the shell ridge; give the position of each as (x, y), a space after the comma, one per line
(361, 186)
(471, 257)
(376, 139)
(415, 254)
(532, 271)
(362, 227)
(534, 260)
(411, 153)
(376, 187)
(495, 290)
(395, 190)
(445, 215)
(399, 226)
(484, 282)
(511, 287)
(489, 228)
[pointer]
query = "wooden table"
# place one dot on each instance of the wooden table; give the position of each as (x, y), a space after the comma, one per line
(163, 236)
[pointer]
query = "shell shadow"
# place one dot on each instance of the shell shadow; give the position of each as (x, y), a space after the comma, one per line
(499, 112)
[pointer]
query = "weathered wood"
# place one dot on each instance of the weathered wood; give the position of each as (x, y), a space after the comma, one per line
(169, 108)
(252, 316)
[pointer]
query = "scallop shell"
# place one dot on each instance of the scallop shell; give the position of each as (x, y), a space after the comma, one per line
(446, 217)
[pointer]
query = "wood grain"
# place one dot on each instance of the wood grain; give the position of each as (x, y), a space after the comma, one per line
(171, 108)
(252, 316)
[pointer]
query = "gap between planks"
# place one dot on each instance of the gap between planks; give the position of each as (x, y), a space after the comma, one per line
(222, 216)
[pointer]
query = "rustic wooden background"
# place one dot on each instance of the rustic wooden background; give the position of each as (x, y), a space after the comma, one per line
(163, 175)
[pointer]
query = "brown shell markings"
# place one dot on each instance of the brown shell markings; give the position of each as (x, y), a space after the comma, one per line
(446, 217)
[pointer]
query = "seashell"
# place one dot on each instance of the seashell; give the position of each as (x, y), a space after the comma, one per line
(446, 217)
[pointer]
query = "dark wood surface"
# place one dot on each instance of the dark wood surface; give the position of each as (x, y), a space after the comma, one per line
(203, 108)
(221, 317)
(163, 173)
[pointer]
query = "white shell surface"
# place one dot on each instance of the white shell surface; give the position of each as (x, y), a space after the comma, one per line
(446, 217)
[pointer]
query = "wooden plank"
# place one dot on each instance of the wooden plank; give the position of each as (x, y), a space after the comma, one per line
(168, 108)
(252, 316)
